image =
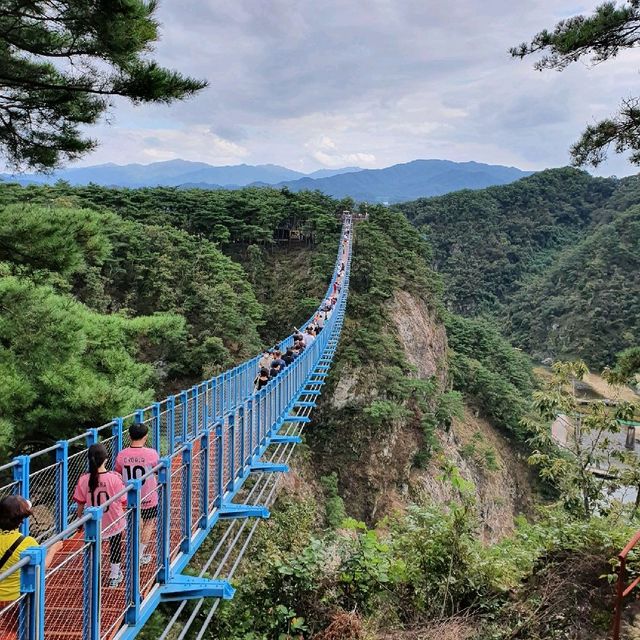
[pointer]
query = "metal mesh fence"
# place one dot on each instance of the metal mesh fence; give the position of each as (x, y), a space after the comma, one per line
(78, 464)
(44, 486)
(14, 617)
(116, 571)
(238, 443)
(202, 403)
(226, 457)
(178, 422)
(214, 466)
(163, 445)
(197, 470)
(248, 426)
(67, 595)
(151, 516)
(177, 505)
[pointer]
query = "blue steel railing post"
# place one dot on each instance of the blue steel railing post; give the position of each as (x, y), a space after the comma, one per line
(164, 530)
(205, 471)
(241, 418)
(155, 410)
(196, 403)
(117, 432)
(232, 450)
(171, 424)
(32, 582)
(62, 486)
(91, 575)
(184, 400)
(92, 437)
(132, 614)
(220, 462)
(250, 421)
(21, 476)
(187, 497)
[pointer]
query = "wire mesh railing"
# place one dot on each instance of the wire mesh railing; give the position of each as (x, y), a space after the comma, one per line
(116, 554)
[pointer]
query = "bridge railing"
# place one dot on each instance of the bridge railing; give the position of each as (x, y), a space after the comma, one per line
(48, 477)
(208, 449)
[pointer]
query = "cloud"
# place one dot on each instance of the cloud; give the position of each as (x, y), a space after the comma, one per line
(152, 145)
(368, 82)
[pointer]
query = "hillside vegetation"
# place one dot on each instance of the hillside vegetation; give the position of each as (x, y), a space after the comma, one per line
(545, 257)
(406, 507)
(103, 312)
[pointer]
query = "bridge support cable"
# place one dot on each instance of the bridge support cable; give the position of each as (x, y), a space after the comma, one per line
(270, 480)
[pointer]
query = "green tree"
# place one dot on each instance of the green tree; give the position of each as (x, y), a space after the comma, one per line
(600, 36)
(62, 62)
(589, 443)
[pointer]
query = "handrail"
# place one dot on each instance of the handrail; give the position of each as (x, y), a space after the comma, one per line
(623, 591)
(227, 391)
(215, 438)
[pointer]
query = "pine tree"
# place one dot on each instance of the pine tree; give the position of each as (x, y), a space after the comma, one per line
(61, 64)
(601, 36)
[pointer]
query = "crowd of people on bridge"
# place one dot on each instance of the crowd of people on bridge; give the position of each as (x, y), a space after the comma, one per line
(135, 462)
(274, 361)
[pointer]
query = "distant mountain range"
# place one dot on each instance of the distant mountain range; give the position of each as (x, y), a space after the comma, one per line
(397, 183)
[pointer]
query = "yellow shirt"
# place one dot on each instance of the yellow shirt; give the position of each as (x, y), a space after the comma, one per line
(10, 587)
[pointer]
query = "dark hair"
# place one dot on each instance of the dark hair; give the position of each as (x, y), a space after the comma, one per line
(97, 455)
(264, 371)
(289, 352)
(138, 431)
(13, 510)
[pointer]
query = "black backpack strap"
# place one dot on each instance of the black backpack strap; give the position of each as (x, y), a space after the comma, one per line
(10, 551)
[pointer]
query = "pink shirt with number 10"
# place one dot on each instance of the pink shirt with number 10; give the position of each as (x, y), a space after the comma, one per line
(135, 462)
(109, 484)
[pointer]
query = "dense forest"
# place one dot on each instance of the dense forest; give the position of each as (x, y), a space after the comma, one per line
(550, 257)
(105, 305)
(111, 297)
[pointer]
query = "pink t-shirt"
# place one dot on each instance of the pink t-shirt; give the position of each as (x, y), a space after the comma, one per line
(108, 485)
(133, 463)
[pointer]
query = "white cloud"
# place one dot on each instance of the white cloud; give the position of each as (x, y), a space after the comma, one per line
(370, 82)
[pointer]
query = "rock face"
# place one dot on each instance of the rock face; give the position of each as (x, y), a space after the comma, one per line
(423, 338)
(376, 466)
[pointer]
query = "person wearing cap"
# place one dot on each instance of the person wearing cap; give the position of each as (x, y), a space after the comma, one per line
(13, 511)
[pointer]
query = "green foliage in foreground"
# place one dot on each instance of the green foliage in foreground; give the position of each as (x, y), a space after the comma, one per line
(427, 564)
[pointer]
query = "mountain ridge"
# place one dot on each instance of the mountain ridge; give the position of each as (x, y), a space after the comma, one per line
(396, 183)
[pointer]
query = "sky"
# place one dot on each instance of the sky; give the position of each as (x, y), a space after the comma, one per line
(368, 83)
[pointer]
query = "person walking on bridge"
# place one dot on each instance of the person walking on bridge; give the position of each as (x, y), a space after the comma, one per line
(132, 463)
(94, 489)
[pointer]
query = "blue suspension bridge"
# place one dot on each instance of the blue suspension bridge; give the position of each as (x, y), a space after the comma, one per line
(223, 448)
